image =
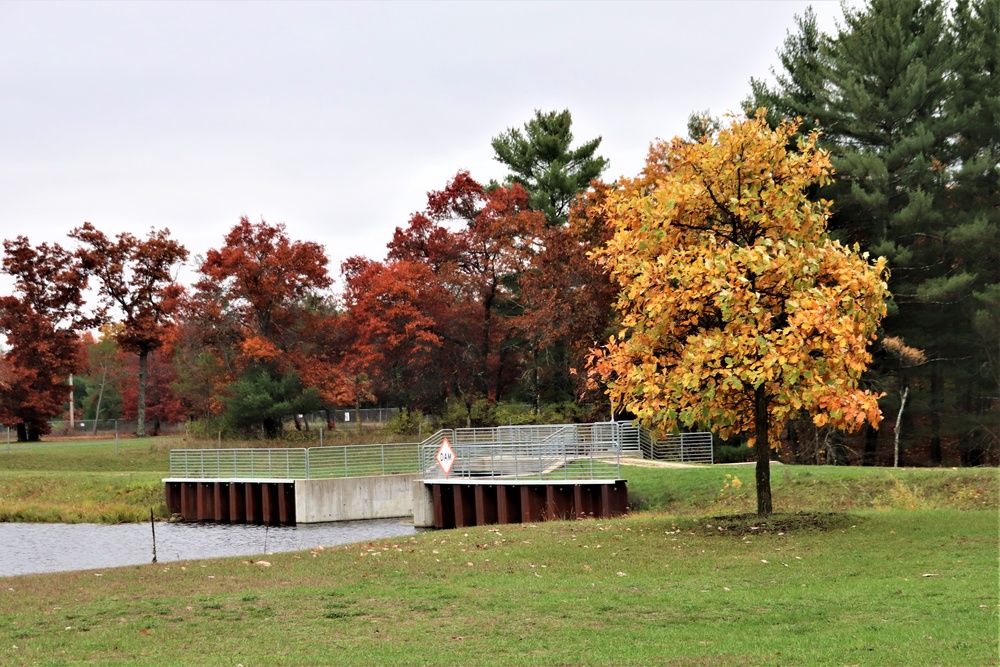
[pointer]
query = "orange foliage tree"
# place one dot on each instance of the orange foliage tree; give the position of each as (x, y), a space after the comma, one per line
(738, 311)
(567, 298)
(41, 321)
(250, 311)
(136, 278)
(477, 243)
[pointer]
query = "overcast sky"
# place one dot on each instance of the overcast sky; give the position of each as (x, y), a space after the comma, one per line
(336, 118)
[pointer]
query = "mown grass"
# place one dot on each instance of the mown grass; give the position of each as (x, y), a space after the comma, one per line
(99, 482)
(862, 588)
(881, 567)
(714, 489)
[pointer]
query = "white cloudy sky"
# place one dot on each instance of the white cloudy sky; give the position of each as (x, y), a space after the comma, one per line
(336, 118)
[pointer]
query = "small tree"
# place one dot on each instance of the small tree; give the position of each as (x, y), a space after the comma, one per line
(738, 311)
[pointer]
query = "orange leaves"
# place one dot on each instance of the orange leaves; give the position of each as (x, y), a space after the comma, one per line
(255, 349)
(729, 285)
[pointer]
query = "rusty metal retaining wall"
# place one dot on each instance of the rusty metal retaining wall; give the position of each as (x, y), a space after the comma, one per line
(228, 501)
(469, 503)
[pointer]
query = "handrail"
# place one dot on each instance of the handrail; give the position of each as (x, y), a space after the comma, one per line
(295, 463)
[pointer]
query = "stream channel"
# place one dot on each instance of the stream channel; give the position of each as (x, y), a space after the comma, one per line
(28, 548)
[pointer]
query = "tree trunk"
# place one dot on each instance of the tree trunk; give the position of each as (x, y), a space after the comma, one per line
(899, 425)
(100, 397)
(763, 452)
(140, 408)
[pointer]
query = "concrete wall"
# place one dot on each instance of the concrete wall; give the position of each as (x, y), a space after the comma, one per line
(423, 505)
(354, 498)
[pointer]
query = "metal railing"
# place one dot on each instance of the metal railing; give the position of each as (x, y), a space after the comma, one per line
(681, 447)
(560, 451)
(554, 452)
(287, 463)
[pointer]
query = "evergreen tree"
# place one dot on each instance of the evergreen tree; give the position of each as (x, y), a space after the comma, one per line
(905, 94)
(542, 161)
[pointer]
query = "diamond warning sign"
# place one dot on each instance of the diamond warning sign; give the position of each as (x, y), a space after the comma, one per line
(446, 457)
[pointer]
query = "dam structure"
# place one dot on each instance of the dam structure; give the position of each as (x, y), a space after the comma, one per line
(454, 478)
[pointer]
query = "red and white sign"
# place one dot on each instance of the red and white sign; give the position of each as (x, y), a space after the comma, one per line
(445, 457)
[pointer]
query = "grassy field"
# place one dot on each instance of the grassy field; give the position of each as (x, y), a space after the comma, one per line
(868, 588)
(865, 567)
(97, 482)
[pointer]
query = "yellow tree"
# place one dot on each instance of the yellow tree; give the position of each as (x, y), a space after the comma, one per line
(738, 311)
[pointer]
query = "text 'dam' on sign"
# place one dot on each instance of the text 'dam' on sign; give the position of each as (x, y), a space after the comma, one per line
(445, 457)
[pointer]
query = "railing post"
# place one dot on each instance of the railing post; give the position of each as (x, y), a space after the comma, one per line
(618, 463)
(308, 451)
(345, 461)
(382, 451)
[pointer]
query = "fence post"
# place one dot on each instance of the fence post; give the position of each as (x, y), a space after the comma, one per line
(116, 438)
(382, 451)
(308, 450)
(320, 436)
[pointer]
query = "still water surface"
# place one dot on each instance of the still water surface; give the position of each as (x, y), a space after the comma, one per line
(27, 548)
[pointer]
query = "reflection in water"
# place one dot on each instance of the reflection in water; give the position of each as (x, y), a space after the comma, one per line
(27, 548)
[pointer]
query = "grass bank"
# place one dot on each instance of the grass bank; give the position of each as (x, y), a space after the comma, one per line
(861, 588)
(105, 482)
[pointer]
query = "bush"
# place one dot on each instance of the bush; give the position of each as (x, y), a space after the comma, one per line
(733, 454)
(459, 414)
(405, 422)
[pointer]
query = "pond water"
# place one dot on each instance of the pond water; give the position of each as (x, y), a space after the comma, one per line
(27, 548)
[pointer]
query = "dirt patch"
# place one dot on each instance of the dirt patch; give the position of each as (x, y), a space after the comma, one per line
(751, 524)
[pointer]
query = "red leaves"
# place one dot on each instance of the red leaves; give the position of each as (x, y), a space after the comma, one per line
(263, 273)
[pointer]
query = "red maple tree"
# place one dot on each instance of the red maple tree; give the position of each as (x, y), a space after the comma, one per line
(41, 321)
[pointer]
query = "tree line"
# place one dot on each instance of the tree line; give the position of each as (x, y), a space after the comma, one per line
(499, 293)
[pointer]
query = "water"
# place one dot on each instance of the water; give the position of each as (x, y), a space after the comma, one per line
(28, 548)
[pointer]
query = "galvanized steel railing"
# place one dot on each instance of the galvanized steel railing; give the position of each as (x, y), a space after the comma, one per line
(681, 447)
(563, 451)
(568, 451)
(281, 463)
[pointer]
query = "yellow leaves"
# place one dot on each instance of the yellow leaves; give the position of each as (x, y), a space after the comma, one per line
(751, 296)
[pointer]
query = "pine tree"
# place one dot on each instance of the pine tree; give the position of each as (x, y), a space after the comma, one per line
(542, 161)
(905, 94)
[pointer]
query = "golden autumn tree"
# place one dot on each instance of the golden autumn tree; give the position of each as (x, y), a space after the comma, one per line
(737, 310)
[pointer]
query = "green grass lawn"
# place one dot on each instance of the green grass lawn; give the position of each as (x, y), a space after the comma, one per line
(865, 566)
(896, 587)
(104, 483)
